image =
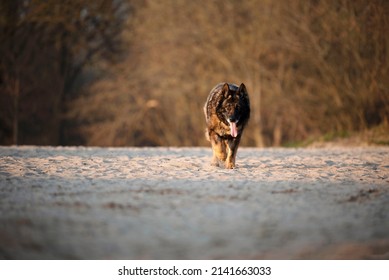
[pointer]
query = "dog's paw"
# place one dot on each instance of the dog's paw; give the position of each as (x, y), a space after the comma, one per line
(230, 165)
(215, 162)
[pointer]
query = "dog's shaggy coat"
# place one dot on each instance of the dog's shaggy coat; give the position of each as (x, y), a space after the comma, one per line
(227, 112)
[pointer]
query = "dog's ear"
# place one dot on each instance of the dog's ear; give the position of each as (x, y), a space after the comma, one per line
(242, 90)
(225, 89)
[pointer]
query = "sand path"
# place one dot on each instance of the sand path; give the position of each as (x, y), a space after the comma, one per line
(169, 203)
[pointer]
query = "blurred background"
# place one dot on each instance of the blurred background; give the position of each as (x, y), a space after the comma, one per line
(137, 73)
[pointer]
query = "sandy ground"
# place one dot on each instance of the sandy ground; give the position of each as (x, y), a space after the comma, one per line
(169, 203)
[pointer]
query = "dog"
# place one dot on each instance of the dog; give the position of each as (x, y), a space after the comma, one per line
(227, 112)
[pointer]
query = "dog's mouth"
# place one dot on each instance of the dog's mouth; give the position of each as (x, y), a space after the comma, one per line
(233, 129)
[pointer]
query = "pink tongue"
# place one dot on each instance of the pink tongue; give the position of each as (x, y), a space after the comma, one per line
(234, 132)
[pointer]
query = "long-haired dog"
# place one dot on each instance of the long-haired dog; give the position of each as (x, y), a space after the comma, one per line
(227, 112)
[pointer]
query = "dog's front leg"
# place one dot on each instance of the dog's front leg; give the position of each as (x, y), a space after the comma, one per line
(232, 148)
(218, 149)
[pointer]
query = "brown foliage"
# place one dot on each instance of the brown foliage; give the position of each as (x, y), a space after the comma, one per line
(311, 68)
(44, 47)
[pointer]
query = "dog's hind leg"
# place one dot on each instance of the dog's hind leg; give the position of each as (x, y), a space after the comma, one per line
(218, 149)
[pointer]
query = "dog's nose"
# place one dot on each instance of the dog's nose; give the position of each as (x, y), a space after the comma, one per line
(232, 119)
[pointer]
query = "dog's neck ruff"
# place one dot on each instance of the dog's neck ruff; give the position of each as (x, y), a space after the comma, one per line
(225, 135)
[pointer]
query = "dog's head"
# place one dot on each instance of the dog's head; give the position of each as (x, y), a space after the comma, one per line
(234, 106)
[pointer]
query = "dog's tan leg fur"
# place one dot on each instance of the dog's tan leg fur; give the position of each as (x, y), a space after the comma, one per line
(218, 148)
(232, 148)
(231, 155)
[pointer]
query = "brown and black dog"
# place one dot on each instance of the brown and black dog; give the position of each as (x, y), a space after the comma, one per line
(227, 112)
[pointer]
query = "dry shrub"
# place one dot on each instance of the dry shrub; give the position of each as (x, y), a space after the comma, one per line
(311, 68)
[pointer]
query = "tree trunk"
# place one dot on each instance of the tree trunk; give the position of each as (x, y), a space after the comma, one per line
(15, 124)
